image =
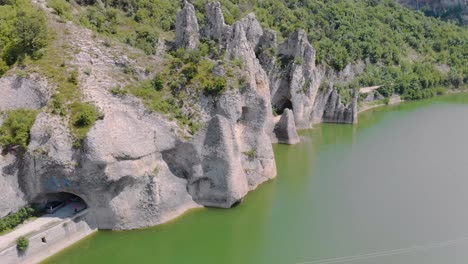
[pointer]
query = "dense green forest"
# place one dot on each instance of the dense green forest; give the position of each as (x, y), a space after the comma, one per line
(410, 52)
(23, 32)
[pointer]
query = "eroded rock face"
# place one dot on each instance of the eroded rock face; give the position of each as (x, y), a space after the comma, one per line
(217, 178)
(11, 195)
(232, 154)
(295, 81)
(187, 31)
(329, 108)
(21, 92)
(215, 27)
(285, 130)
(373, 96)
(17, 92)
(135, 170)
(119, 171)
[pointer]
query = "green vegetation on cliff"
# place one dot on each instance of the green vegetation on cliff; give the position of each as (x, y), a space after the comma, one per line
(82, 118)
(413, 52)
(184, 72)
(16, 127)
(23, 32)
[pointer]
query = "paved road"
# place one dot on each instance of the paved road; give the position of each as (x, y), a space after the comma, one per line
(41, 223)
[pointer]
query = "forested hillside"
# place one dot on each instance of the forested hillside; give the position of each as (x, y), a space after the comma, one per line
(453, 10)
(411, 52)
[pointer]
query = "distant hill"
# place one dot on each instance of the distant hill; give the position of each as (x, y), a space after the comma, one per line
(446, 9)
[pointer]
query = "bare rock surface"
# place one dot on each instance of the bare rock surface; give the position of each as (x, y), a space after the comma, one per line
(22, 92)
(373, 96)
(296, 83)
(187, 31)
(11, 195)
(285, 130)
(215, 27)
(329, 108)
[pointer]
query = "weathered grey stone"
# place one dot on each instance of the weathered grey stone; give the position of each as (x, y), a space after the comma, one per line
(21, 92)
(295, 83)
(329, 108)
(232, 154)
(373, 96)
(187, 31)
(285, 129)
(119, 172)
(223, 182)
(266, 50)
(215, 27)
(254, 30)
(11, 195)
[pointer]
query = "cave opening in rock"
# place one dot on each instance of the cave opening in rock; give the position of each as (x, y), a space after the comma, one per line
(282, 105)
(61, 204)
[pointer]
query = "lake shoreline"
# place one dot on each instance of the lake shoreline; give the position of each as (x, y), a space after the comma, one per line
(396, 99)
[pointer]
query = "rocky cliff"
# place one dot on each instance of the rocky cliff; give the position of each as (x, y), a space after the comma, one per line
(134, 169)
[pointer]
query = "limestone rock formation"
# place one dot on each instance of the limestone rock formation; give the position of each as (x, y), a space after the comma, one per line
(329, 108)
(296, 84)
(215, 27)
(135, 168)
(373, 96)
(22, 92)
(232, 154)
(119, 172)
(295, 81)
(11, 195)
(17, 92)
(285, 130)
(187, 31)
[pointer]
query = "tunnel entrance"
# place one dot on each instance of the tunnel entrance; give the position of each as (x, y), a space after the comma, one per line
(62, 204)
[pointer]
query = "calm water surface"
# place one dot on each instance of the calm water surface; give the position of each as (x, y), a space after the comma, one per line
(392, 189)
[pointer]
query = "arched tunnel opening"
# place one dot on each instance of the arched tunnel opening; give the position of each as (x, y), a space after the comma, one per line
(60, 204)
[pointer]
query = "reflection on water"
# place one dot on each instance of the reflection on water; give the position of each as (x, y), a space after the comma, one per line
(391, 189)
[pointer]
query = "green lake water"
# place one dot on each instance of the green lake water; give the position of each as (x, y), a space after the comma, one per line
(392, 189)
